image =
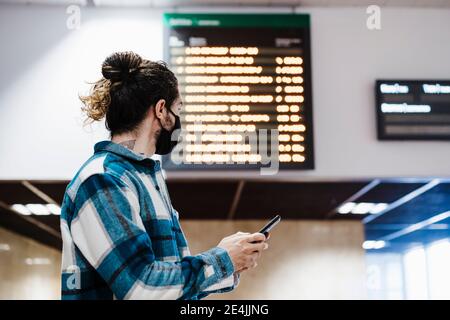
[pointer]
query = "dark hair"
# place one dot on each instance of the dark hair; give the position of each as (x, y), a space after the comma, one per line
(129, 87)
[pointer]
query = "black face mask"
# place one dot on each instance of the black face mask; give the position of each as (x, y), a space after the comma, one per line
(165, 144)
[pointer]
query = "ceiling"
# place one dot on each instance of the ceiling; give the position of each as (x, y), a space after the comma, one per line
(189, 3)
(411, 204)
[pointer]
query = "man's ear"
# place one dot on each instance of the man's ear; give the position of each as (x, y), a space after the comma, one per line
(159, 107)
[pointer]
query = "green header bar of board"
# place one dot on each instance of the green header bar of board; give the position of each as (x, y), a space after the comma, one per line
(179, 20)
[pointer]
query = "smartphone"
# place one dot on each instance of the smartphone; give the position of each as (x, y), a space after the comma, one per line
(269, 226)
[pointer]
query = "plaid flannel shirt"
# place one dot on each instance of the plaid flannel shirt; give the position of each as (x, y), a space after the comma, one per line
(122, 238)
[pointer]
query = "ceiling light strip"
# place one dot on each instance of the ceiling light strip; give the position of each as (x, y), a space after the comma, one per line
(403, 200)
(355, 196)
(417, 226)
(33, 221)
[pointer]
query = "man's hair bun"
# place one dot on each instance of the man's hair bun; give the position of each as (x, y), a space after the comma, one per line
(120, 66)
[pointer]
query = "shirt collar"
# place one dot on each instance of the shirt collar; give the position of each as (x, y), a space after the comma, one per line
(124, 152)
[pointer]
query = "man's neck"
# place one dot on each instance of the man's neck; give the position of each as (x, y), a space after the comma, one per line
(137, 143)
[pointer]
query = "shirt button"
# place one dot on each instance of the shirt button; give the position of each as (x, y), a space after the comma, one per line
(157, 187)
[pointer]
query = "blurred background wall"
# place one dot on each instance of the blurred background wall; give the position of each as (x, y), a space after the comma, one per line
(305, 260)
(28, 270)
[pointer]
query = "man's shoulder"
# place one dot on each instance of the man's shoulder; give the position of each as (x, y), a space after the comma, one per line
(103, 164)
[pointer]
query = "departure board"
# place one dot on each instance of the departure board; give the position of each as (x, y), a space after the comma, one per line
(245, 81)
(413, 109)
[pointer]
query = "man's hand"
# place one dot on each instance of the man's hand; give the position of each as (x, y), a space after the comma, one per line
(244, 249)
(267, 234)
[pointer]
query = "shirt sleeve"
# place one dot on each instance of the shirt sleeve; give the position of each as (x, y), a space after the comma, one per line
(226, 285)
(108, 230)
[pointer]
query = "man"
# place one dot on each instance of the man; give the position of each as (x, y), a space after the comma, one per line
(121, 236)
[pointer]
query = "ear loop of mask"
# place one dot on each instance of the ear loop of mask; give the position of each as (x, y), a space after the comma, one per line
(175, 116)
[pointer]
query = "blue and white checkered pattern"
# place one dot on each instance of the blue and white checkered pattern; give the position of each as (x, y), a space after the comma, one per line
(122, 238)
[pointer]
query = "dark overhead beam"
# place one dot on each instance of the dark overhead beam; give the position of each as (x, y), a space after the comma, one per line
(30, 219)
(403, 200)
(236, 198)
(29, 227)
(417, 226)
(39, 193)
(355, 196)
